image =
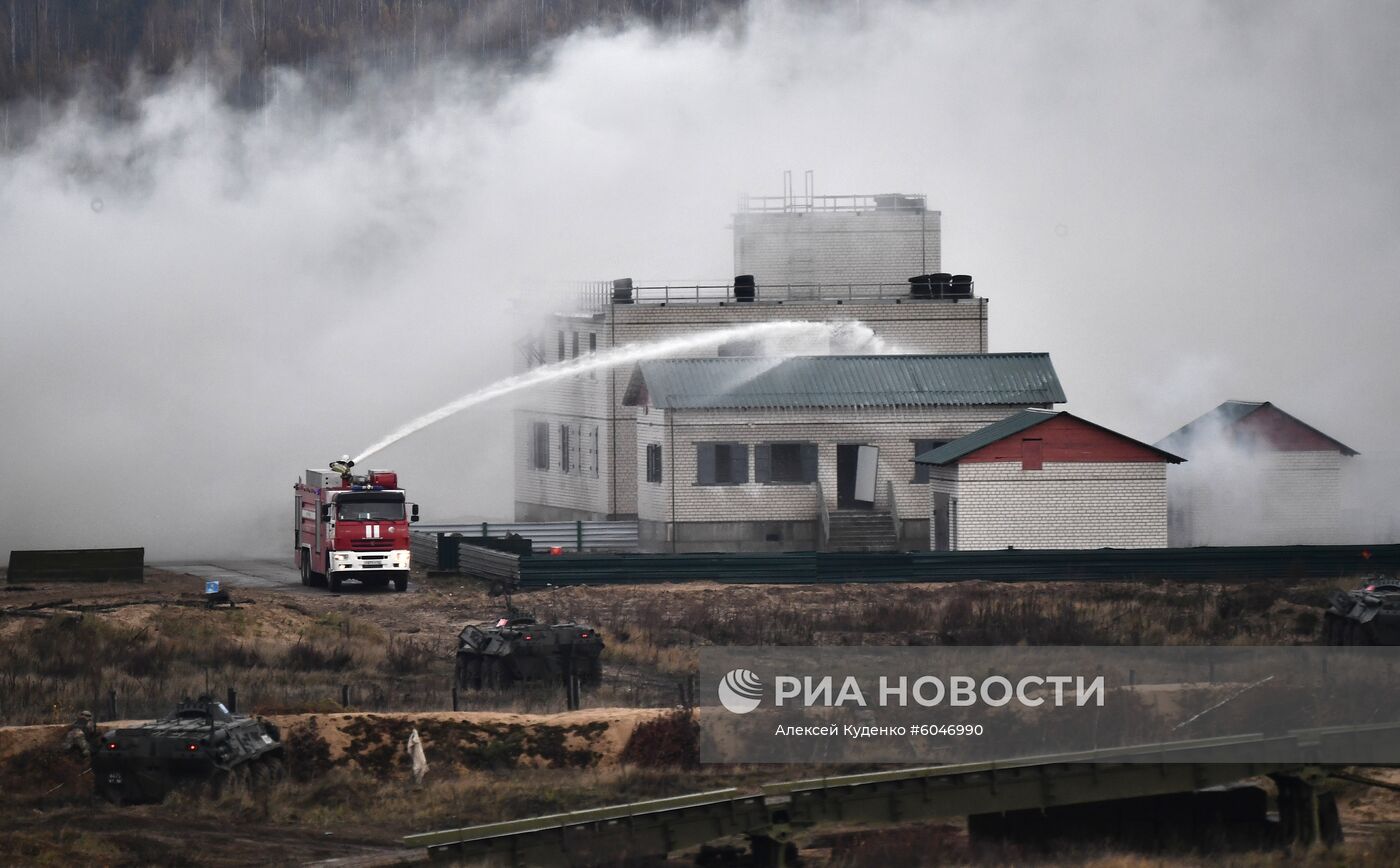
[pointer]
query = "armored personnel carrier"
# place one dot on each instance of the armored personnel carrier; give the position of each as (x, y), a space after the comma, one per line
(493, 657)
(199, 742)
(1369, 615)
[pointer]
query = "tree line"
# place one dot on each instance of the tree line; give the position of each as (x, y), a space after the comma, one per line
(50, 48)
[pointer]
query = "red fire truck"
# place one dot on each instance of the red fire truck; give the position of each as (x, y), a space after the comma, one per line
(352, 527)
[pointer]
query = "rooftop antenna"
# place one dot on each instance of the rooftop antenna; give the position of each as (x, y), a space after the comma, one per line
(809, 186)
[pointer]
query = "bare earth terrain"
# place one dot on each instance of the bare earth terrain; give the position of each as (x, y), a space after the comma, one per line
(294, 654)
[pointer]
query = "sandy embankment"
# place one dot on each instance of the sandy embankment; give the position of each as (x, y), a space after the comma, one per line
(332, 728)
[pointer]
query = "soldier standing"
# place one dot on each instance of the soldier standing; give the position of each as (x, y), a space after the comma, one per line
(81, 737)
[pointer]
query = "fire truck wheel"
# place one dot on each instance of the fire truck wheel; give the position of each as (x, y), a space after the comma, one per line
(334, 581)
(305, 569)
(401, 582)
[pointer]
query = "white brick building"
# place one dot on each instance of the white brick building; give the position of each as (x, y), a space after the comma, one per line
(597, 479)
(1046, 480)
(1258, 476)
(744, 454)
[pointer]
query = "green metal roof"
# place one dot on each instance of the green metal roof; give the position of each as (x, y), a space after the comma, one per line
(1228, 414)
(846, 381)
(1011, 425)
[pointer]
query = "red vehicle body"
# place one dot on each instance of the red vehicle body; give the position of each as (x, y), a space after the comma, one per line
(352, 527)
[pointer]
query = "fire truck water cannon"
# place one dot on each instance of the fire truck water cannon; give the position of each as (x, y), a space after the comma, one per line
(350, 526)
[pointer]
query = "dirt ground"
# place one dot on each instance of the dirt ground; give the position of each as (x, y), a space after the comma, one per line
(292, 654)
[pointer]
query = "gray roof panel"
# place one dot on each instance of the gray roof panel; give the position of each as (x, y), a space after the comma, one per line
(846, 381)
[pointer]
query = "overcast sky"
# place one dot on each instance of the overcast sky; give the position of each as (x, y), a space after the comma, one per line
(1183, 202)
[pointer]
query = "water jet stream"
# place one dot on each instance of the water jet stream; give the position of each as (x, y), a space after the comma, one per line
(788, 335)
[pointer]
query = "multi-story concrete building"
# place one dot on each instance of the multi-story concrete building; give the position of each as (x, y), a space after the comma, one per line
(797, 454)
(1046, 480)
(1257, 476)
(576, 441)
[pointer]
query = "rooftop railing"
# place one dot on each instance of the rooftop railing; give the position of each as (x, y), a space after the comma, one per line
(840, 204)
(598, 296)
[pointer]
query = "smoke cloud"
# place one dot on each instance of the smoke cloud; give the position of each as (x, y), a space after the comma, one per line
(1182, 202)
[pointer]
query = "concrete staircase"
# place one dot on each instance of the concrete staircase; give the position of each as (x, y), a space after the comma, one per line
(862, 530)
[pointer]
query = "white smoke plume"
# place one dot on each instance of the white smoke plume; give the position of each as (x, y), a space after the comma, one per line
(198, 302)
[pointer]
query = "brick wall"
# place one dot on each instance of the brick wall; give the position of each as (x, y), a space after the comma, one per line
(1263, 498)
(1062, 506)
(893, 431)
(813, 247)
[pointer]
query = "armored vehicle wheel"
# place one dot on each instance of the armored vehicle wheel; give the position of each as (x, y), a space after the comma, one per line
(468, 672)
(276, 769)
(1329, 630)
(111, 792)
(495, 674)
(220, 782)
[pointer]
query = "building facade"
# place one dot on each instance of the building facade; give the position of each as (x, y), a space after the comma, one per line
(837, 239)
(749, 454)
(1258, 476)
(1046, 480)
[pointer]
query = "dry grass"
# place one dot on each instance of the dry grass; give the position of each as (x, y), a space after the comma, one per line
(276, 657)
(337, 799)
(656, 629)
(283, 654)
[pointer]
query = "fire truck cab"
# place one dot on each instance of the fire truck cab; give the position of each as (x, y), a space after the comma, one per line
(352, 527)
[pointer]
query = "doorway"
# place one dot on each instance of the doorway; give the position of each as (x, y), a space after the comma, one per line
(855, 475)
(942, 532)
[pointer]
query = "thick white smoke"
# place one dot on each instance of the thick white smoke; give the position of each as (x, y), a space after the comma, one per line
(200, 302)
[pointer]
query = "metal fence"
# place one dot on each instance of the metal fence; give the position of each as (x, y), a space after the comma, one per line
(597, 297)
(1244, 563)
(573, 536)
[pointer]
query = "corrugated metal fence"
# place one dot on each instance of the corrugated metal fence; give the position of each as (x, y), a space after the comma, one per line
(431, 551)
(1245, 563)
